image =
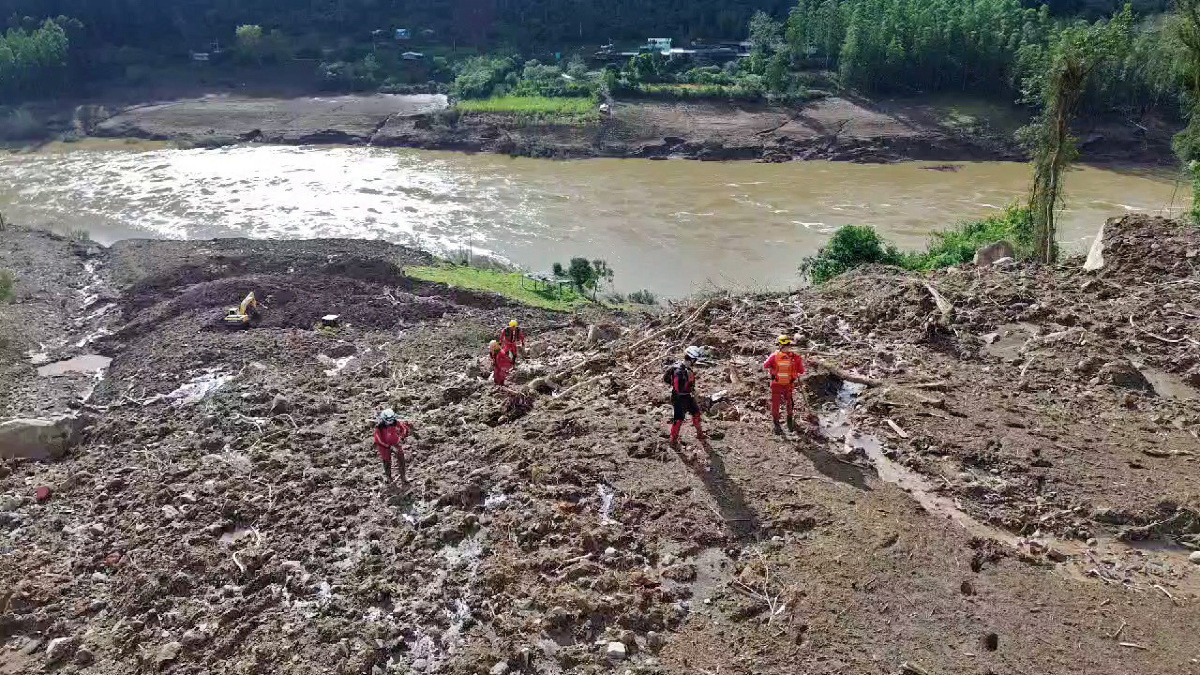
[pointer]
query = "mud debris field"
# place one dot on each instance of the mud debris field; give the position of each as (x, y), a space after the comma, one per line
(1006, 486)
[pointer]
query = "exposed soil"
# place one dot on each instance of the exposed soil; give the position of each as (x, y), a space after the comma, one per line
(1031, 510)
(830, 128)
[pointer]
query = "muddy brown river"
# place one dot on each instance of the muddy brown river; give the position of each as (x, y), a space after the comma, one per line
(676, 227)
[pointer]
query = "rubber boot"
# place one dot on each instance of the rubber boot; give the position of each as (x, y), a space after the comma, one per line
(791, 424)
(778, 429)
(699, 431)
(675, 433)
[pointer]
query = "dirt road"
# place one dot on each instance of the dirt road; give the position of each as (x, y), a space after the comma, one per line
(1012, 493)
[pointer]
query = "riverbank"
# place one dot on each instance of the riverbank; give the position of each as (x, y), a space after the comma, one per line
(1010, 490)
(830, 128)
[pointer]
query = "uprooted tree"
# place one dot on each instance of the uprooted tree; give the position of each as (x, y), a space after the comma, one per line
(1058, 76)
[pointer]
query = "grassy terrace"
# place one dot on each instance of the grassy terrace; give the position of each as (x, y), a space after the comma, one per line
(560, 110)
(511, 285)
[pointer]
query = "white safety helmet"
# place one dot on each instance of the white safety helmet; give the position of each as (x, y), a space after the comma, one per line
(694, 353)
(388, 416)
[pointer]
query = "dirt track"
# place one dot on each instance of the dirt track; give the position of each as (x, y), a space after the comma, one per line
(1046, 529)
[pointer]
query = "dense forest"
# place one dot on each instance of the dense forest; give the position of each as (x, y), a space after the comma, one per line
(983, 47)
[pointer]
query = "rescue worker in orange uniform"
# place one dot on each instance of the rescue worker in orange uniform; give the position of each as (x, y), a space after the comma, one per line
(512, 337)
(682, 379)
(501, 362)
(785, 367)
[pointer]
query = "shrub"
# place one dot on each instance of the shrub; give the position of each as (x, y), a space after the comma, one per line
(7, 280)
(643, 297)
(479, 77)
(850, 247)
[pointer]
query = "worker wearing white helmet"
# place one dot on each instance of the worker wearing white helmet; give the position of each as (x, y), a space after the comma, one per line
(682, 378)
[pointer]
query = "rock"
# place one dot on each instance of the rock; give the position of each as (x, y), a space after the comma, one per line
(280, 404)
(988, 255)
(629, 639)
(39, 439)
(167, 654)
(194, 638)
(170, 512)
(600, 334)
(61, 649)
(10, 503)
(683, 573)
(654, 641)
(966, 588)
(96, 529)
(1004, 263)
(500, 668)
(1095, 258)
(615, 651)
(84, 657)
(1195, 557)
(1122, 373)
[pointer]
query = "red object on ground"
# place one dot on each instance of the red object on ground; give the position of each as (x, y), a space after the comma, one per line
(42, 494)
(112, 559)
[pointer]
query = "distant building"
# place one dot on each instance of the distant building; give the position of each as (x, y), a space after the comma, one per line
(659, 45)
(403, 34)
(412, 56)
(201, 57)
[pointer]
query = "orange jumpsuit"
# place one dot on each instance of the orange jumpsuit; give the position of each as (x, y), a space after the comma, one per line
(785, 369)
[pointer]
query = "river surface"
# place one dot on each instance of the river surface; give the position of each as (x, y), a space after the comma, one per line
(676, 227)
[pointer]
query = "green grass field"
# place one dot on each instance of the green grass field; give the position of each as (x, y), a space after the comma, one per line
(511, 285)
(537, 108)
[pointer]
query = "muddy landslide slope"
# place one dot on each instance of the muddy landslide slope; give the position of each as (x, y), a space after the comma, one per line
(1008, 485)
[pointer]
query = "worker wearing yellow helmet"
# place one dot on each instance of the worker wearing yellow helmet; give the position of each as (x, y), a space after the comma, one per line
(785, 367)
(511, 338)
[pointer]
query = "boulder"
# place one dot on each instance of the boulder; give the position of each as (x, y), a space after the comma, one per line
(1095, 258)
(40, 439)
(167, 654)
(501, 668)
(615, 651)
(988, 255)
(280, 405)
(61, 649)
(1122, 373)
(600, 334)
(1195, 557)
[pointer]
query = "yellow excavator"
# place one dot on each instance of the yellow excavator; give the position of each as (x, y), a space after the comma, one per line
(243, 315)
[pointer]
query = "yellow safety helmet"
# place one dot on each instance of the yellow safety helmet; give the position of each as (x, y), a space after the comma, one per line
(512, 324)
(784, 341)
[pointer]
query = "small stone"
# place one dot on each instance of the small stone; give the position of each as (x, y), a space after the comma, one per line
(280, 404)
(615, 651)
(500, 668)
(84, 657)
(1195, 557)
(170, 512)
(967, 588)
(96, 529)
(9, 503)
(61, 649)
(610, 551)
(629, 639)
(167, 654)
(99, 577)
(31, 646)
(1093, 542)
(654, 641)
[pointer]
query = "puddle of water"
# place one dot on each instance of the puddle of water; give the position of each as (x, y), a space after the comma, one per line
(87, 364)
(1170, 386)
(1008, 340)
